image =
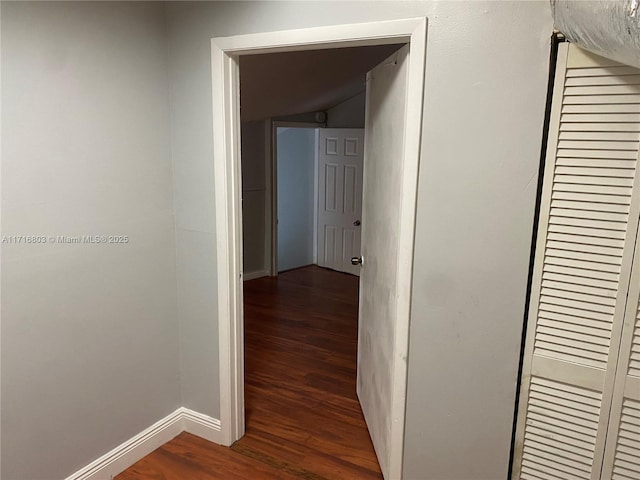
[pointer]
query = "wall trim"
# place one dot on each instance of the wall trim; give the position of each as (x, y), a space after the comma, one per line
(254, 275)
(201, 425)
(129, 452)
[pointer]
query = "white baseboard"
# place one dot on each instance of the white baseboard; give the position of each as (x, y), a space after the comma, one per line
(141, 445)
(254, 275)
(202, 426)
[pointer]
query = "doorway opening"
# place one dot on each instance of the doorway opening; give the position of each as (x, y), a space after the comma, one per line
(301, 323)
(294, 195)
(316, 196)
(394, 114)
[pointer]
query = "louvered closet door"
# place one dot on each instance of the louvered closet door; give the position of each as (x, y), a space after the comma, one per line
(584, 252)
(622, 454)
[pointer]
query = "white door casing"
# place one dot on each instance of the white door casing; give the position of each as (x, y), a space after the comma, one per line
(226, 126)
(584, 256)
(340, 156)
(377, 318)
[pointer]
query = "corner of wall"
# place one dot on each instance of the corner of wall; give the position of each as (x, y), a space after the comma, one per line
(129, 452)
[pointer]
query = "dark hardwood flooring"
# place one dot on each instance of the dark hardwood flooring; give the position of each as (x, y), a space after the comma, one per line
(303, 420)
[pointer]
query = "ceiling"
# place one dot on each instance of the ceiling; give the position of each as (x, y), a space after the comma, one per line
(278, 84)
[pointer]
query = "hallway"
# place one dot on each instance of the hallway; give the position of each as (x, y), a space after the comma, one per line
(301, 405)
(303, 419)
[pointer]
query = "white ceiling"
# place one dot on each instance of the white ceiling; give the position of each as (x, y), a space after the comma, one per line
(279, 84)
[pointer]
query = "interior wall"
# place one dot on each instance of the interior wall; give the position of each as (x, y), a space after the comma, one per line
(485, 91)
(296, 196)
(192, 153)
(348, 114)
(254, 202)
(484, 106)
(89, 332)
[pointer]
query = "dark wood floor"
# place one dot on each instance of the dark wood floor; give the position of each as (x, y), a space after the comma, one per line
(303, 419)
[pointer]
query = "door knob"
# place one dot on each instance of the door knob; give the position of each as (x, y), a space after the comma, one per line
(356, 223)
(357, 260)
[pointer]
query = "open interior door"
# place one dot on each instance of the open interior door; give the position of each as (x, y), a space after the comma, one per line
(377, 385)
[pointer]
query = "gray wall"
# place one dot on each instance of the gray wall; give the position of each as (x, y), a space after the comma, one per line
(484, 104)
(192, 150)
(296, 196)
(89, 332)
(348, 114)
(254, 202)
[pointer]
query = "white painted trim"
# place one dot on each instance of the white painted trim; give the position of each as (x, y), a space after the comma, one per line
(0, 247)
(269, 215)
(406, 236)
(273, 199)
(201, 425)
(226, 92)
(316, 193)
(316, 38)
(132, 450)
(254, 275)
(126, 454)
(228, 201)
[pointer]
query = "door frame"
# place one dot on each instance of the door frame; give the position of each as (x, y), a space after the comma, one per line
(272, 189)
(225, 53)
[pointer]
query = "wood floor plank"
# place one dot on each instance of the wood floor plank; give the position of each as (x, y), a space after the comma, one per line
(190, 457)
(303, 419)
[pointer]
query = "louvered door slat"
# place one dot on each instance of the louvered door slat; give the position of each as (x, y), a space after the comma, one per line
(606, 192)
(559, 453)
(603, 136)
(595, 334)
(574, 172)
(570, 286)
(574, 323)
(600, 284)
(601, 99)
(611, 223)
(596, 166)
(586, 256)
(582, 247)
(585, 246)
(592, 144)
(580, 275)
(611, 79)
(605, 201)
(593, 267)
(570, 332)
(599, 126)
(603, 90)
(596, 153)
(585, 317)
(584, 239)
(601, 71)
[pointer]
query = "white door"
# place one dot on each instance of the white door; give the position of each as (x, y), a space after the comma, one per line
(622, 451)
(584, 253)
(384, 127)
(340, 154)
